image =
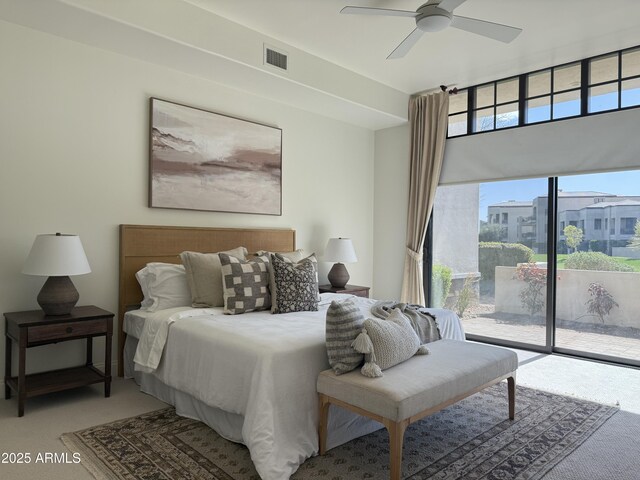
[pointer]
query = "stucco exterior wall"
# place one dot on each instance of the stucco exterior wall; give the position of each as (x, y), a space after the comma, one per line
(573, 295)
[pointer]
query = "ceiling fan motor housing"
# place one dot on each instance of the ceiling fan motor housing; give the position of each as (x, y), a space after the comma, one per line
(431, 18)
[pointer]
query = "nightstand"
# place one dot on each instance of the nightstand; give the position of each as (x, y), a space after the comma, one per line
(356, 290)
(33, 328)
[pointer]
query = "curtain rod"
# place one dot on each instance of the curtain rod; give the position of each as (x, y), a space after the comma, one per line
(452, 91)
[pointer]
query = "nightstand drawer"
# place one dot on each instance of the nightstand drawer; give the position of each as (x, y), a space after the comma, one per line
(63, 331)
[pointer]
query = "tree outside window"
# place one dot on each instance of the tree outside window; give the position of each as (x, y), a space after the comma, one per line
(573, 236)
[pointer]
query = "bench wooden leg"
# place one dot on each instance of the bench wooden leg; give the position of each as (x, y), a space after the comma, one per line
(511, 382)
(396, 437)
(323, 422)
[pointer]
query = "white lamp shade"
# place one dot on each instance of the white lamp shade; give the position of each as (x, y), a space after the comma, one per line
(340, 250)
(56, 255)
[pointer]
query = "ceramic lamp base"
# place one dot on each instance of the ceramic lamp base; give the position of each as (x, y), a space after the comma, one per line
(58, 296)
(338, 275)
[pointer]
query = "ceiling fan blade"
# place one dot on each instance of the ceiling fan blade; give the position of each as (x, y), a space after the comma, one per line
(450, 5)
(497, 31)
(387, 12)
(406, 45)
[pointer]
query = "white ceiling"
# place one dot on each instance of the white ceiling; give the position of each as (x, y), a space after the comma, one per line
(555, 32)
(338, 67)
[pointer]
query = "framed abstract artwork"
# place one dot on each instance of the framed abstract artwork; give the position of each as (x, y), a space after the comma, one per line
(201, 160)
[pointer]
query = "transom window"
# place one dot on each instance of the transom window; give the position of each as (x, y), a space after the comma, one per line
(598, 84)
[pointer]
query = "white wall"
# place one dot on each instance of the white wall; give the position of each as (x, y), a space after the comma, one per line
(73, 158)
(573, 295)
(455, 228)
(391, 197)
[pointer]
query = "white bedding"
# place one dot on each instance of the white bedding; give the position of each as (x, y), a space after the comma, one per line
(134, 322)
(266, 364)
(156, 329)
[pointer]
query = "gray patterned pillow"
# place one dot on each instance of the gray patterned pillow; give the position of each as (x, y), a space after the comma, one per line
(344, 323)
(245, 284)
(387, 342)
(294, 286)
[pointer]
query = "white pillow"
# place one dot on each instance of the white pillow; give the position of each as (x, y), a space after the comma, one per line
(166, 286)
(295, 256)
(143, 279)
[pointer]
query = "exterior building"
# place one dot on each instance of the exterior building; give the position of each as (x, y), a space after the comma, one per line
(512, 217)
(606, 220)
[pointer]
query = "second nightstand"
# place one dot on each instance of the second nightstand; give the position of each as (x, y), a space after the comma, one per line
(356, 290)
(33, 328)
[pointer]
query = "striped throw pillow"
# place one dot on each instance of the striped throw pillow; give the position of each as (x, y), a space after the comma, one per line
(344, 323)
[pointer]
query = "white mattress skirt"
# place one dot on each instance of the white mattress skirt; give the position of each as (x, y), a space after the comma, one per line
(343, 425)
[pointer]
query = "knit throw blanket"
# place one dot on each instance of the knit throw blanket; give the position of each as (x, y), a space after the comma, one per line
(423, 323)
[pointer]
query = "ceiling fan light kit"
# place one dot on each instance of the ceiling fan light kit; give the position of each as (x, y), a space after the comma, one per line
(434, 16)
(433, 19)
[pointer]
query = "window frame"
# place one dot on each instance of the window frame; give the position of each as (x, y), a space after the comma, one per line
(554, 235)
(523, 98)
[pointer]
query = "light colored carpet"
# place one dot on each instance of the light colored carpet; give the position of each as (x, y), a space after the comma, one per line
(472, 439)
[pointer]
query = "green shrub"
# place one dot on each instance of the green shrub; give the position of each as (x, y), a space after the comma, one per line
(532, 296)
(466, 296)
(601, 302)
(494, 254)
(440, 284)
(594, 261)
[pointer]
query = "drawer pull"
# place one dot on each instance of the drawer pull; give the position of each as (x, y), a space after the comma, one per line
(69, 329)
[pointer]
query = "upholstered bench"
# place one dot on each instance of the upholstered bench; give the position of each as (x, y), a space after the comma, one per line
(416, 388)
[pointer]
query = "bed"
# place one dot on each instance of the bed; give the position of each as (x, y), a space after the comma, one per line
(251, 377)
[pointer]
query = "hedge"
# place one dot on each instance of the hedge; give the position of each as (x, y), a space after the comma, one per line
(494, 254)
(594, 261)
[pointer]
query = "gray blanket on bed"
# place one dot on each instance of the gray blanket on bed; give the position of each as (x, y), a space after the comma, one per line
(423, 323)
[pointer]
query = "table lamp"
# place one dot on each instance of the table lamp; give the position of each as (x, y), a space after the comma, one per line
(57, 256)
(339, 250)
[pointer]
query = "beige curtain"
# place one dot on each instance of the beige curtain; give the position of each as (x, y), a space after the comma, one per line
(428, 117)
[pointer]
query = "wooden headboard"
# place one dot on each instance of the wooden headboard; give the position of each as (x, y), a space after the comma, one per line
(142, 244)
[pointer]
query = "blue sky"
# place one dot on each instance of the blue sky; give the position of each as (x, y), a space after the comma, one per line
(618, 183)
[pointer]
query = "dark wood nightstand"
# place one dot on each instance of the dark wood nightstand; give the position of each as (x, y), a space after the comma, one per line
(356, 290)
(34, 328)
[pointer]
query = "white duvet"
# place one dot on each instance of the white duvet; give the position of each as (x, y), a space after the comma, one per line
(261, 366)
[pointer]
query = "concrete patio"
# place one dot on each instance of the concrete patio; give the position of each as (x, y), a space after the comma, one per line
(587, 341)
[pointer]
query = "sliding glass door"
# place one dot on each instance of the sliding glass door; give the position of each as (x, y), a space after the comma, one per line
(489, 258)
(598, 286)
(560, 275)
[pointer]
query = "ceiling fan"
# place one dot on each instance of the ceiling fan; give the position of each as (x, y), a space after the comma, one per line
(436, 15)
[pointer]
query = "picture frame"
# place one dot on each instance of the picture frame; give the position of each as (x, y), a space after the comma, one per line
(202, 160)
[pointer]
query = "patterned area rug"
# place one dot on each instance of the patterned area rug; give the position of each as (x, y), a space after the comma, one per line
(470, 440)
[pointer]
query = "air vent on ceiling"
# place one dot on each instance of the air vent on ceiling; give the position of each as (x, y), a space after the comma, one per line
(275, 58)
